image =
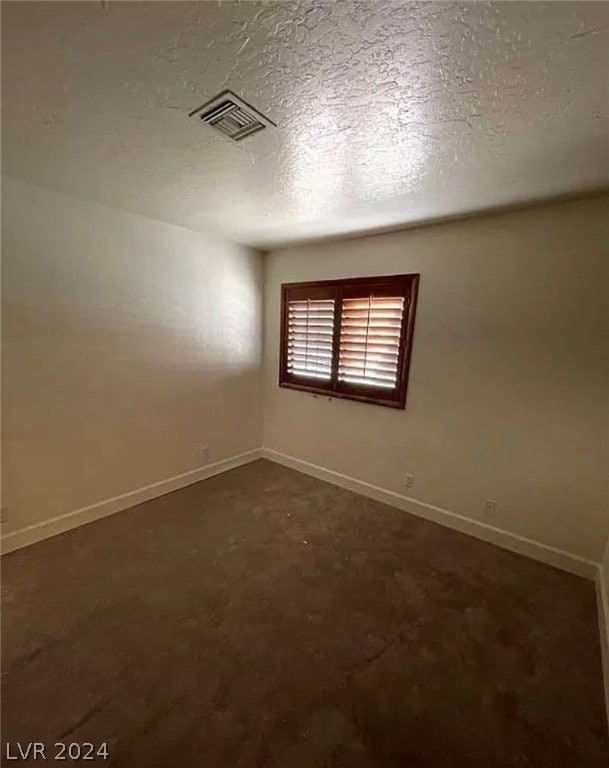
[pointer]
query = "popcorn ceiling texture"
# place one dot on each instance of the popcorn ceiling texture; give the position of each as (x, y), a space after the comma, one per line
(387, 113)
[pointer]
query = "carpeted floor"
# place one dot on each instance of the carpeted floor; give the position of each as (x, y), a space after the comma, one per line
(264, 618)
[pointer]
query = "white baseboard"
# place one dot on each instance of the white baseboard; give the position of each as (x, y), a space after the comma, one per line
(44, 530)
(511, 541)
(602, 605)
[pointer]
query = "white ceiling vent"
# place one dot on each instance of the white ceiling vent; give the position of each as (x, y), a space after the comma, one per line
(232, 116)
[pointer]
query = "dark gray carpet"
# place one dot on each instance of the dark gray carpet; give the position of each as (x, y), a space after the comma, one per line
(264, 618)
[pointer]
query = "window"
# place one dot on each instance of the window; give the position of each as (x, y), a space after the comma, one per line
(349, 338)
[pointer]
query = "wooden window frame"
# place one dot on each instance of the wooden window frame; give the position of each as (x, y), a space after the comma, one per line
(387, 285)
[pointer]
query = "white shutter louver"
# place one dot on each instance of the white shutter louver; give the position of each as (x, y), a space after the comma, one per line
(370, 341)
(310, 338)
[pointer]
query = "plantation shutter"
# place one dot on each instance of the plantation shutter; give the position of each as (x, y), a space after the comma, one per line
(370, 339)
(349, 338)
(310, 338)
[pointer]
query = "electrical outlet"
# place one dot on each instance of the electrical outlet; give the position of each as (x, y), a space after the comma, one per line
(3, 514)
(409, 481)
(490, 506)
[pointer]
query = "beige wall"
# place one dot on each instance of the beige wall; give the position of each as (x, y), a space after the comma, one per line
(128, 345)
(509, 385)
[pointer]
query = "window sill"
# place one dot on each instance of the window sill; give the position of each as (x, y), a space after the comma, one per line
(367, 399)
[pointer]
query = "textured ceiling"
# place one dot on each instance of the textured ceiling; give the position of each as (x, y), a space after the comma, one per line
(388, 113)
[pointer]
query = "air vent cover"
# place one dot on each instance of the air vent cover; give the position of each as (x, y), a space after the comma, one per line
(232, 116)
